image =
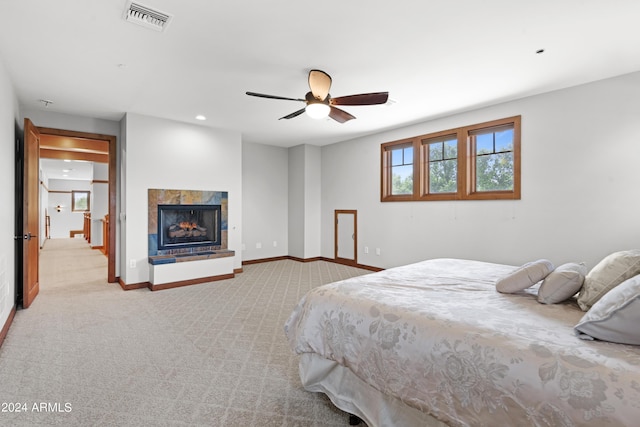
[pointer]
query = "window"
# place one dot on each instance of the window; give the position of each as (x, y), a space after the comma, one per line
(398, 162)
(480, 161)
(494, 159)
(402, 170)
(79, 201)
(440, 166)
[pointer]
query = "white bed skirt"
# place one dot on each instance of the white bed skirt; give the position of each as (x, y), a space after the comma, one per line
(356, 397)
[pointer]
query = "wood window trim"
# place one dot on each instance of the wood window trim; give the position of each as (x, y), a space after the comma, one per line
(466, 174)
(471, 192)
(73, 200)
(385, 176)
(424, 194)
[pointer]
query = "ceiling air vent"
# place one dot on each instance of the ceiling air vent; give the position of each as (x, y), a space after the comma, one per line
(137, 13)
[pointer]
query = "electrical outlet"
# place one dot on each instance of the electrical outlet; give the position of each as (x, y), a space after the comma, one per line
(366, 249)
(132, 263)
(275, 243)
(377, 251)
(244, 247)
(258, 245)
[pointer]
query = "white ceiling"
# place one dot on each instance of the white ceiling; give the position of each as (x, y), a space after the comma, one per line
(434, 57)
(62, 169)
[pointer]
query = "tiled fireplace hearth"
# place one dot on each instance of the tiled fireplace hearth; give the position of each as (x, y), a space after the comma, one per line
(188, 237)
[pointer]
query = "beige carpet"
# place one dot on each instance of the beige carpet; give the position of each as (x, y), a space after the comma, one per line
(87, 353)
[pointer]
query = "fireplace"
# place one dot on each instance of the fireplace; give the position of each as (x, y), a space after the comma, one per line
(188, 226)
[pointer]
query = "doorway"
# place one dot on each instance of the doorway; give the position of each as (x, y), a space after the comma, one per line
(73, 145)
(346, 236)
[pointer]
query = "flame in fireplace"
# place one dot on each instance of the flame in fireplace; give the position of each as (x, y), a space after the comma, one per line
(183, 226)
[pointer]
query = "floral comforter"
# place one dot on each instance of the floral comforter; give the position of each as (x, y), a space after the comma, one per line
(439, 337)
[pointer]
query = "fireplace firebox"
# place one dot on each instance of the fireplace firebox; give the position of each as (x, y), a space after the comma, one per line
(188, 226)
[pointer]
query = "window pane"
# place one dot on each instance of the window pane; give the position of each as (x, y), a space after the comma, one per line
(408, 156)
(443, 176)
(494, 172)
(504, 140)
(396, 157)
(81, 203)
(435, 151)
(484, 143)
(402, 179)
(451, 149)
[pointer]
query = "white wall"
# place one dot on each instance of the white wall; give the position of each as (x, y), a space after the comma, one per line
(52, 119)
(312, 202)
(99, 202)
(304, 201)
(9, 115)
(166, 154)
(296, 201)
(44, 206)
(265, 198)
(580, 180)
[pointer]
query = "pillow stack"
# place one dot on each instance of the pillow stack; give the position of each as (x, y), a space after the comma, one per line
(611, 297)
(609, 293)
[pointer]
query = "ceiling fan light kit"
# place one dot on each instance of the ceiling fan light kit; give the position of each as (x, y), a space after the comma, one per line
(317, 110)
(319, 101)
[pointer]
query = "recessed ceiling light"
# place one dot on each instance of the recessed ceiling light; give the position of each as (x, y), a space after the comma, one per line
(200, 117)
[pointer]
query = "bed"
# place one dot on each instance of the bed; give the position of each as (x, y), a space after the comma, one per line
(434, 344)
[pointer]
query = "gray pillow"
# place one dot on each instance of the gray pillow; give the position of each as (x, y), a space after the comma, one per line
(607, 274)
(562, 283)
(525, 276)
(615, 317)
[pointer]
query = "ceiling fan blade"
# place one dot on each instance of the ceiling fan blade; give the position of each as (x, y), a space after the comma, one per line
(319, 83)
(339, 115)
(262, 95)
(361, 99)
(292, 115)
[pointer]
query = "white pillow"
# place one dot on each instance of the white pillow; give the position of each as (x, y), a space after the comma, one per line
(615, 317)
(607, 274)
(562, 283)
(525, 276)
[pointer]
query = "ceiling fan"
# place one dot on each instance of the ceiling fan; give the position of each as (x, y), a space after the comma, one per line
(320, 103)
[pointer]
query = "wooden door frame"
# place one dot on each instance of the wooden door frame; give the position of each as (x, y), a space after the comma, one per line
(111, 139)
(347, 261)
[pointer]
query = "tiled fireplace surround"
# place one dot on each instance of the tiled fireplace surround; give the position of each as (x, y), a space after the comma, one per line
(168, 266)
